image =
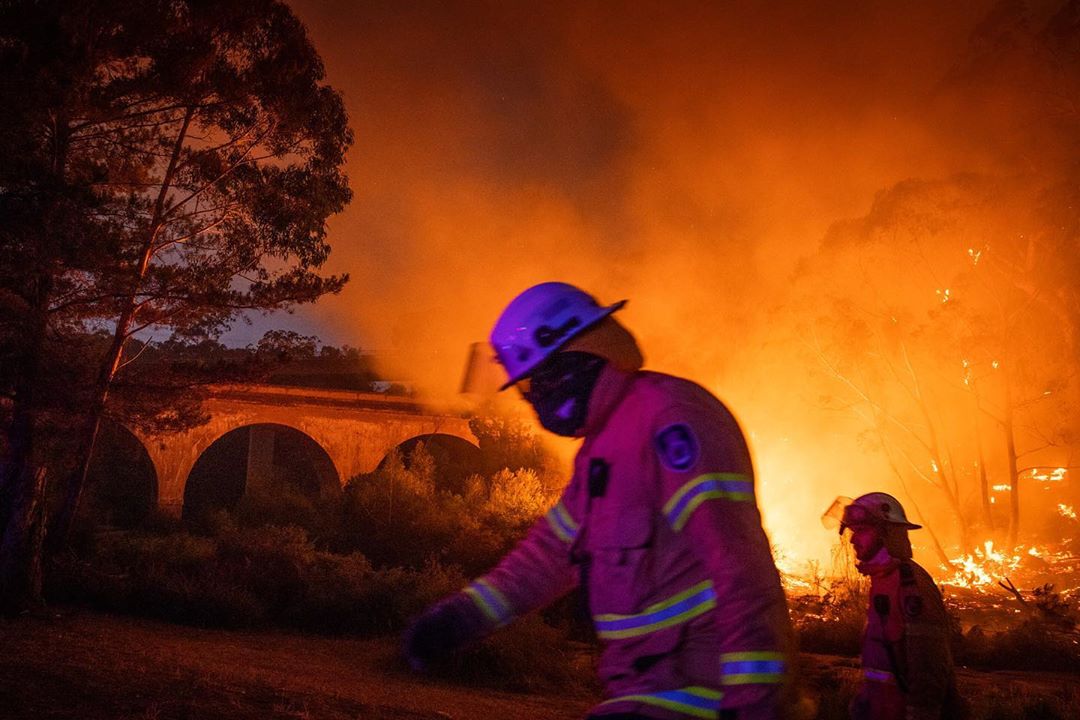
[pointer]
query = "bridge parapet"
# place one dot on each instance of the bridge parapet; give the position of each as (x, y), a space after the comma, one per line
(356, 430)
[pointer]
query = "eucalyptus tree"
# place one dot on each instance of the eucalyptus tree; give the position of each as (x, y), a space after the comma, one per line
(199, 151)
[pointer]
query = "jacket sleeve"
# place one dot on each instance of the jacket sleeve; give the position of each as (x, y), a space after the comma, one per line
(707, 495)
(535, 573)
(926, 643)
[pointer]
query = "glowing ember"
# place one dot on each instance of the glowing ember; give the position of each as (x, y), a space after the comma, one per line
(1055, 475)
(1066, 511)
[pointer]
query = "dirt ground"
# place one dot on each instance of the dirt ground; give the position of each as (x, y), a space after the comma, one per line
(78, 664)
(71, 663)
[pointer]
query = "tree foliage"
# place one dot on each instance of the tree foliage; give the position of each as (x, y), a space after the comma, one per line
(166, 165)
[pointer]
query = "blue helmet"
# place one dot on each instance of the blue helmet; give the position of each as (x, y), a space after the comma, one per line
(541, 321)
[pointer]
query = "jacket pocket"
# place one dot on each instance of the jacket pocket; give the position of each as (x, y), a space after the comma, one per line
(653, 655)
(621, 576)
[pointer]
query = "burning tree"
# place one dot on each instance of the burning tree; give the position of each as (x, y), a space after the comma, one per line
(951, 308)
(171, 165)
(960, 368)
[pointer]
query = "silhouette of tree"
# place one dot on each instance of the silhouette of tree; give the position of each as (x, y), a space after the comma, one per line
(171, 164)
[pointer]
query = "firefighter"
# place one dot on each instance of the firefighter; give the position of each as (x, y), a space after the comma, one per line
(658, 526)
(907, 664)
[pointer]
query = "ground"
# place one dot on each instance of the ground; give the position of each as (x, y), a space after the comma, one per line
(78, 664)
(71, 663)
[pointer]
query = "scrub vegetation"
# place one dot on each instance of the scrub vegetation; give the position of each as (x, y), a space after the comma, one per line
(361, 563)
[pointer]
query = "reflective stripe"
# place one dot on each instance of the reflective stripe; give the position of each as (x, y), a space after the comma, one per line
(881, 676)
(712, 486)
(756, 667)
(562, 524)
(491, 602)
(677, 609)
(699, 702)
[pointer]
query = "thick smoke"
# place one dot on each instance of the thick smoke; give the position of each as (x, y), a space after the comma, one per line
(689, 156)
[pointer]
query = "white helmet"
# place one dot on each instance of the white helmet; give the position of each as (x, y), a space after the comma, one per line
(539, 322)
(876, 507)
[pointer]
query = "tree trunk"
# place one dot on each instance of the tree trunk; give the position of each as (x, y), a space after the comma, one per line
(20, 547)
(1014, 476)
(950, 488)
(60, 530)
(21, 484)
(61, 525)
(984, 479)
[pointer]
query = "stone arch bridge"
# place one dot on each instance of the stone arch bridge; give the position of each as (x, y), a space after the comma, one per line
(355, 431)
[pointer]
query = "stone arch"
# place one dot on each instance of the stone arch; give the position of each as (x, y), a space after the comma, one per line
(122, 480)
(258, 456)
(455, 457)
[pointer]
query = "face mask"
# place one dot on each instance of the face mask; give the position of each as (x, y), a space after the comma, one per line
(559, 390)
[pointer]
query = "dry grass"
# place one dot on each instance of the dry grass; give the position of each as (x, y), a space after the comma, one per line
(76, 664)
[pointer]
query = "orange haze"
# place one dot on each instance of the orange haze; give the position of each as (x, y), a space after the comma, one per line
(683, 155)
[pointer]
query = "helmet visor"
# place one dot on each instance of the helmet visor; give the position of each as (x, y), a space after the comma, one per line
(842, 514)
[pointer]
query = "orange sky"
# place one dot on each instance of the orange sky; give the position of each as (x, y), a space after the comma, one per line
(684, 155)
(679, 154)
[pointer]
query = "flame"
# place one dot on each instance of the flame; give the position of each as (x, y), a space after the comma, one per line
(987, 565)
(1066, 511)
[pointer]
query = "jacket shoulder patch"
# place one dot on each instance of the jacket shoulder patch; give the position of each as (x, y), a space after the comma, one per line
(677, 447)
(913, 606)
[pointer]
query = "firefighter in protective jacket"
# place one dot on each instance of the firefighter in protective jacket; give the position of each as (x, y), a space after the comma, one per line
(907, 664)
(659, 525)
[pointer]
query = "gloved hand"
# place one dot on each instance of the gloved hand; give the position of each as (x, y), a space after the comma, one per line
(442, 629)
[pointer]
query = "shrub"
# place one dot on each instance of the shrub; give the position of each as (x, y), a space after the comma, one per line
(509, 443)
(1034, 644)
(518, 497)
(528, 656)
(244, 577)
(832, 623)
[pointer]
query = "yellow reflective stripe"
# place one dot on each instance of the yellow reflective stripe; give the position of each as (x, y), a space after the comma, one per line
(699, 702)
(491, 601)
(753, 679)
(680, 608)
(736, 487)
(753, 667)
(752, 655)
(562, 524)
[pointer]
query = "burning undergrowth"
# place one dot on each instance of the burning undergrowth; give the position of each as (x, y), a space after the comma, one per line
(1017, 610)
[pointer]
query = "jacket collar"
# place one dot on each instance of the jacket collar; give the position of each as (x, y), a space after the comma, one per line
(610, 389)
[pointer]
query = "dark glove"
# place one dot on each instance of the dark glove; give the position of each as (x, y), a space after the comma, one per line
(442, 629)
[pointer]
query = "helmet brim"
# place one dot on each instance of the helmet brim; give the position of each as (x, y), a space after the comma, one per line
(561, 344)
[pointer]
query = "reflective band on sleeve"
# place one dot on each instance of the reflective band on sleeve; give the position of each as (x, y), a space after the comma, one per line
(677, 609)
(491, 602)
(759, 667)
(881, 676)
(696, 702)
(562, 524)
(712, 486)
